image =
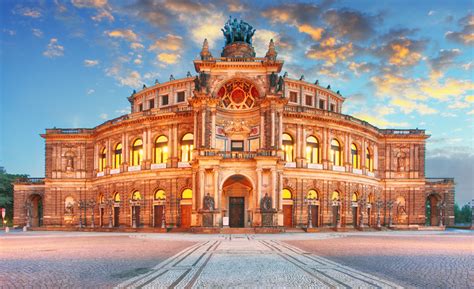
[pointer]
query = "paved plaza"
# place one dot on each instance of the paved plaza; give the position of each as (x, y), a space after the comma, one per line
(336, 260)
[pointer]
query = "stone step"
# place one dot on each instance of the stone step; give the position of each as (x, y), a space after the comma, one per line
(237, 231)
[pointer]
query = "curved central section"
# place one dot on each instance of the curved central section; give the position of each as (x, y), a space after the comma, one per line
(238, 94)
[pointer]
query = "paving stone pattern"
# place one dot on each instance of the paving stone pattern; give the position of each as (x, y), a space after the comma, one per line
(242, 261)
(425, 261)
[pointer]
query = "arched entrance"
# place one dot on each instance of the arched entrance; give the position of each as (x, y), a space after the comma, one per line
(35, 210)
(287, 208)
(186, 208)
(237, 192)
(432, 211)
(355, 210)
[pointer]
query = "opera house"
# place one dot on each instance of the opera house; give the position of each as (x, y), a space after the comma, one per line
(239, 145)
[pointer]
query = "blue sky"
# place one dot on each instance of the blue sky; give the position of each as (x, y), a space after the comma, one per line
(400, 64)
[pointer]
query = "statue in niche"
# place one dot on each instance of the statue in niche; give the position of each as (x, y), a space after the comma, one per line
(203, 82)
(280, 84)
(266, 203)
(273, 81)
(401, 162)
(208, 203)
(197, 84)
(69, 162)
(69, 210)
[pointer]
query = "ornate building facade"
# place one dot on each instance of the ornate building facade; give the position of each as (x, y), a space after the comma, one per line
(239, 145)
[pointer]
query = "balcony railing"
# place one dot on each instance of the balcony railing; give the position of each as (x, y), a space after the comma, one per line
(439, 180)
(69, 130)
(32, 181)
(237, 155)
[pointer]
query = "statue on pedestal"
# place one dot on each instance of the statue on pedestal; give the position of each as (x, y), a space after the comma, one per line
(208, 203)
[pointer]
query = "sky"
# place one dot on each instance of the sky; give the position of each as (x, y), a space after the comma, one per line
(400, 64)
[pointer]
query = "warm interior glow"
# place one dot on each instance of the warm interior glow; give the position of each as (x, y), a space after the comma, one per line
(287, 147)
(336, 153)
(312, 195)
(118, 156)
(117, 197)
(160, 195)
(137, 152)
(136, 196)
(286, 194)
(354, 197)
(187, 194)
(187, 147)
(161, 150)
(335, 196)
(312, 150)
(369, 162)
(355, 157)
(102, 159)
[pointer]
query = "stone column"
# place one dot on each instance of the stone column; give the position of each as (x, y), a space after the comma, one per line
(203, 128)
(262, 131)
(259, 188)
(202, 183)
(273, 129)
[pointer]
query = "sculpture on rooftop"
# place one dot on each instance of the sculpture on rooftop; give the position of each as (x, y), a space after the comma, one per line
(235, 31)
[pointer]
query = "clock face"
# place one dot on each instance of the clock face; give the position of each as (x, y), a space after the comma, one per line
(238, 94)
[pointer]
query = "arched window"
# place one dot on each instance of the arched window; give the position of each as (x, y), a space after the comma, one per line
(187, 146)
(354, 198)
(102, 159)
(187, 194)
(312, 195)
(335, 196)
(312, 150)
(336, 156)
(137, 152)
(160, 195)
(369, 162)
(287, 147)
(117, 198)
(161, 150)
(286, 194)
(355, 157)
(117, 156)
(101, 199)
(136, 196)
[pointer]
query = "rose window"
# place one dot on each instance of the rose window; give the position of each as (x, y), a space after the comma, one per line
(238, 94)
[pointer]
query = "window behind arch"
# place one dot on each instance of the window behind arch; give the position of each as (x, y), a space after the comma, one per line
(136, 196)
(335, 196)
(160, 195)
(369, 162)
(287, 147)
(187, 146)
(102, 159)
(336, 155)
(312, 195)
(161, 150)
(137, 152)
(286, 194)
(117, 198)
(312, 150)
(117, 156)
(187, 194)
(355, 157)
(354, 197)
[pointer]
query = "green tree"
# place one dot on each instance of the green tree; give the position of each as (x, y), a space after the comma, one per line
(6, 193)
(462, 215)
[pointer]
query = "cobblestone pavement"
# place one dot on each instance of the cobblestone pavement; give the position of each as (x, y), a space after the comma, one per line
(422, 261)
(242, 261)
(64, 261)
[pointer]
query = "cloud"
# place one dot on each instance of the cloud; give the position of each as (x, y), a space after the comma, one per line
(361, 67)
(466, 35)
(89, 3)
(168, 58)
(103, 14)
(350, 23)
(131, 78)
(378, 119)
(53, 49)
(408, 106)
(444, 60)
(294, 14)
(431, 13)
(471, 112)
(169, 42)
(28, 12)
(90, 63)
(468, 66)
(331, 51)
(123, 111)
(126, 34)
(103, 116)
(315, 32)
(136, 45)
(152, 11)
(37, 32)
(90, 91)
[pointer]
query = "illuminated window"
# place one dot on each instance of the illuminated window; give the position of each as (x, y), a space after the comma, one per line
(369, 162)
(336, 156)
(136, 196)
(286, 194)
(370, 199)
(187, 147)
(160, 195)
(101, 199)
(287, 147)
(312, 195)
(355, 157)
(102, 159)
(312, 150)
(161, 150)
(137, 152)
(335, 196)
(187, 194)
(354, 197)
(117, 198)
(117, 156)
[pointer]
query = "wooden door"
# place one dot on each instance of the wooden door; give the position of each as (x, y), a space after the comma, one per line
(354, 217)
(137, 215)
(236, 212)
(158, 214)
(288, 216)
(116, 216)
(102, 217)
(315, 215)
(186, 216)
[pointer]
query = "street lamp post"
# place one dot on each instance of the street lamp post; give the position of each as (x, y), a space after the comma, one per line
(378, 204)
(362, 204)
(163, 218)
(310, 217)
(91, 205)
(390, 206)
(82, 206)
(134, 220)
(110, 204)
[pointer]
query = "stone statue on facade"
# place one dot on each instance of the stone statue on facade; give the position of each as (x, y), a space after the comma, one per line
(189, 74)
(197, 84)
(203, 81)
(280, 84)
(266, 203)
(273, 81)
(69, 210)
(69, 162)
(208, 203)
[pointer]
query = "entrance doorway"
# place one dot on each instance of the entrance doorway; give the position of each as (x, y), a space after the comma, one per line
(116, 217)
(36, 212)
(158, 215)
(432, 212)
(315, 215)
(136, 211)
(288, 216)
(186, 216)
(236, 212)
(101, 213)
(355, 222)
